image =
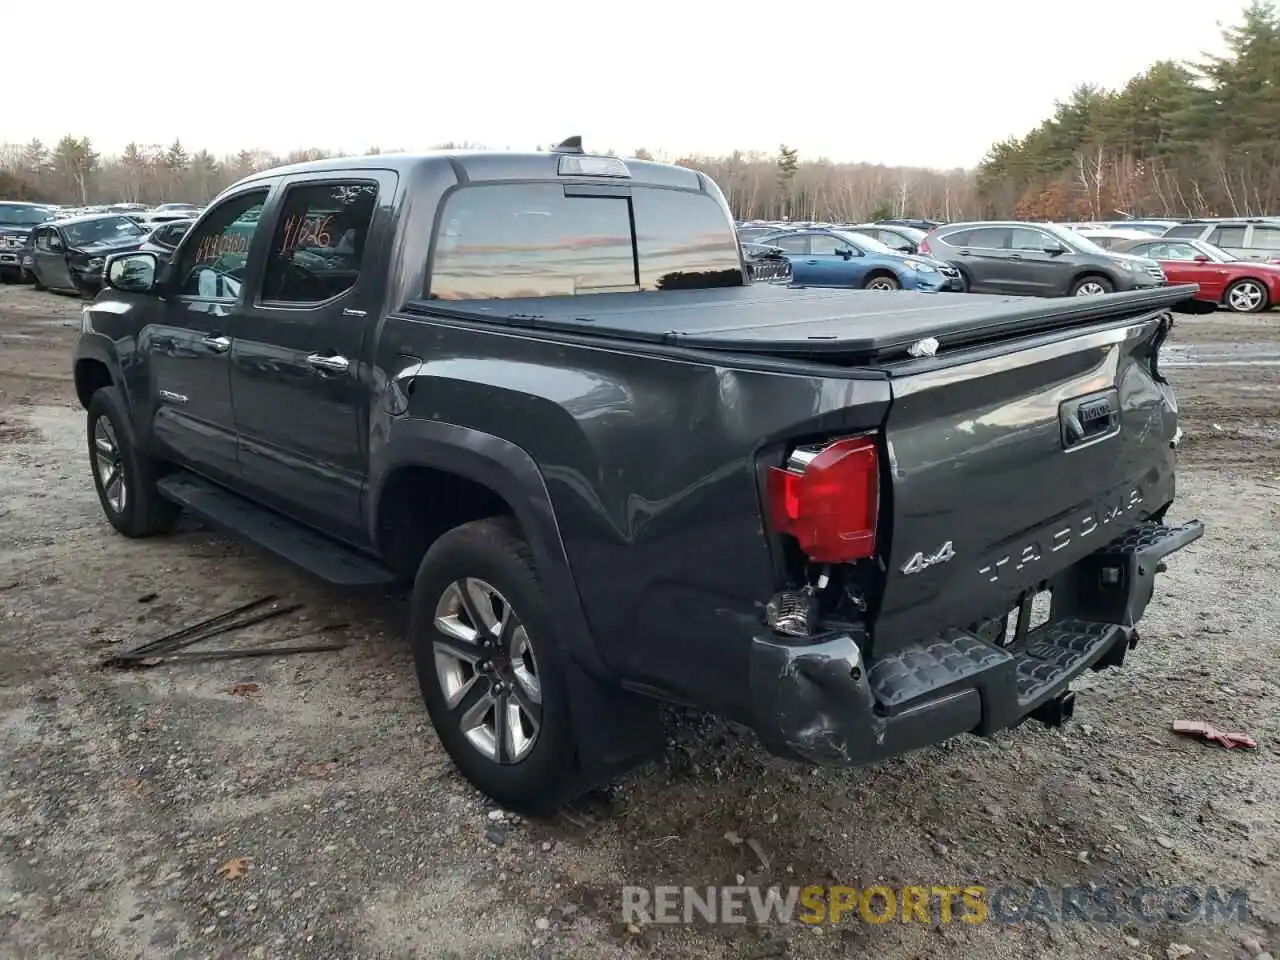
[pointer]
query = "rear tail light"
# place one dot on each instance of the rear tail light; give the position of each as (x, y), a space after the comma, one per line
(924, 246)
(828, 499)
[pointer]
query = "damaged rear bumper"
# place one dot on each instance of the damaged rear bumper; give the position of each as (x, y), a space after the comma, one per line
(818, 700)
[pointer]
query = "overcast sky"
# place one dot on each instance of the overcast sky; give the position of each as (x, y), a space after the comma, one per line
(922, 82)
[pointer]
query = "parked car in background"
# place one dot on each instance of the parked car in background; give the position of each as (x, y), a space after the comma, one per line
(835, 258)
(16, 223)
(1155, 228)
(898, 239)
(177, 209)
(163, 239)
(1037, 260)
(915, 224)
(1244, 239)
(67, 255)
(1109, 237)
(1245, 286)
(766, 264)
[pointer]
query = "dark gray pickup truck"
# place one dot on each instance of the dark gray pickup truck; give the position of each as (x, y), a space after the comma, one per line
(540, 387)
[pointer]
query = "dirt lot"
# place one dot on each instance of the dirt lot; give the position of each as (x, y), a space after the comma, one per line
(122, 792)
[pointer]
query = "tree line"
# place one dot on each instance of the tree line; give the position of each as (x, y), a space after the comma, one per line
(1180, 139)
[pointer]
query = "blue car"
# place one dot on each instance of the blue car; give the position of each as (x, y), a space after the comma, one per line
(823, 257)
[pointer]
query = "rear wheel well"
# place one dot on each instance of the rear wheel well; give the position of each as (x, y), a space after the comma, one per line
(418, 504)
(91, 376)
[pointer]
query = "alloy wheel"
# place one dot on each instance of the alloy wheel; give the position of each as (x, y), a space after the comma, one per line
(487, 670)
(882, 284)
(1090, 289)
(110, 464)
(1246, 297)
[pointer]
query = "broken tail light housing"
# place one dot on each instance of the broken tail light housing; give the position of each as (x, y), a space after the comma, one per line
(922, 249)
(828, 499)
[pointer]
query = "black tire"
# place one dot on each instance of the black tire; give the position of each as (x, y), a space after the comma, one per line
(10, 276)
(1246, 296)
(1101, 283)
(881, 281)
(492, 552)
(142, 512)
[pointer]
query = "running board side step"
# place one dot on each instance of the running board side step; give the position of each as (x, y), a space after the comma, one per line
(315, 553)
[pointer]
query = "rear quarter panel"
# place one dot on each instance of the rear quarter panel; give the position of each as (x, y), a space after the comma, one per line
(649, 462)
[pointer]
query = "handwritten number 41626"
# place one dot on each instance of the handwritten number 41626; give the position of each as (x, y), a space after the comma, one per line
(303, 231)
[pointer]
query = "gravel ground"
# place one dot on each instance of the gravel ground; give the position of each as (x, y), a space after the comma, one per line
(122, 793)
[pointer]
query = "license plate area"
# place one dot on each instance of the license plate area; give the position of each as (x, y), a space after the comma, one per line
(1033, 609)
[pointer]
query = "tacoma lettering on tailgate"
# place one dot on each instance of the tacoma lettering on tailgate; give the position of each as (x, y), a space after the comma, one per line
(1097, 519)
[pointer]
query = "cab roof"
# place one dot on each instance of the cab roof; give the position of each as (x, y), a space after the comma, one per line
(482, 165)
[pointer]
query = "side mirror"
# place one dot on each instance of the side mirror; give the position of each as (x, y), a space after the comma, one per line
(845, 253)
(131, 272)
(908, 248)
(1200, 258)
(1054, 249)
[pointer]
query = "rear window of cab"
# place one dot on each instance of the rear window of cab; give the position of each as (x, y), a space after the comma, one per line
(512, 240)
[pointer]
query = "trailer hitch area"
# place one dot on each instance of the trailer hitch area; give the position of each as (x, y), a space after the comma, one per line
(1056, 711)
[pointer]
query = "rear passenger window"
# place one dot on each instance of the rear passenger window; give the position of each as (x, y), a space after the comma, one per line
(319, 242)
(1227, 237)
(683, 240)
(988, 238)
(958, 239)
(1265, 238)
(1185, 231)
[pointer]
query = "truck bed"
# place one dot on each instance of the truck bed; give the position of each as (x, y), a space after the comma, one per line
(848, 326)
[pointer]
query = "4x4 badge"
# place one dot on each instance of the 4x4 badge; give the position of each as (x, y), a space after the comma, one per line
(923, 561)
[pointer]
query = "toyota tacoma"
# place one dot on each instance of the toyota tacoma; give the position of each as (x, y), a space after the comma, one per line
(541, 389)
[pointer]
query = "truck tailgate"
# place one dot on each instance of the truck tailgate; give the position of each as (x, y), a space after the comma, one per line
(1009, 467)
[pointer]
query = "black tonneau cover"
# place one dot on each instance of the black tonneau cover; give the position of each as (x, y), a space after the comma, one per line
(858, 326)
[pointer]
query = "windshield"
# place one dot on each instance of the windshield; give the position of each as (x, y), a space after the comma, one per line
(911, 233)
(1216, 254)
(865, 243)
(22, 214)
(102, 231)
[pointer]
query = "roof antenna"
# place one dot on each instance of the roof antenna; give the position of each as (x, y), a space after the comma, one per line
(569, 145)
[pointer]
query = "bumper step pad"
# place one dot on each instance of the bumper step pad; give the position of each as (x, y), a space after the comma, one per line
(1059, 651)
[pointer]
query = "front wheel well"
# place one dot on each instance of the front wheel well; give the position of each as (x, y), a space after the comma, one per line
(418, 504)
(1248, 279)
(90, 377)
(1092, 273)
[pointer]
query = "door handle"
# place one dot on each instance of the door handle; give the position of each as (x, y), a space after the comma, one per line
(217, 344)
(1015, 256)
(330, 364)
(811, 262)
(964, 253)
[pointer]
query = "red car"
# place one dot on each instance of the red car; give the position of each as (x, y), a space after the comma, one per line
(1245, 286)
